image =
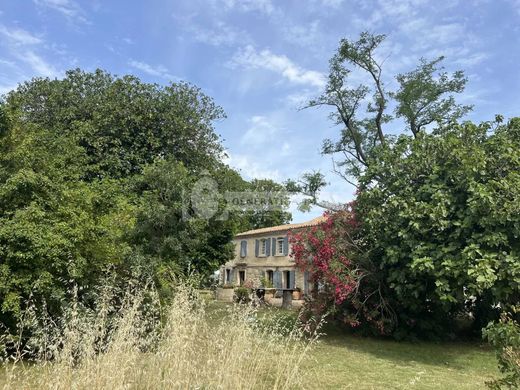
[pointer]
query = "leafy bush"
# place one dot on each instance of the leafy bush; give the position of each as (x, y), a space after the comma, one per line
(349, 290)
(431, 237)
(266, 283)
(242, 295)
(504, 335)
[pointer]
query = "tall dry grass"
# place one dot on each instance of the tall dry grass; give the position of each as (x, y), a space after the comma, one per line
(143, 346)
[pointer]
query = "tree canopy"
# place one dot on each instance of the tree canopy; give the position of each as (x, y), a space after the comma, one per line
(96, 173)
(432, 234)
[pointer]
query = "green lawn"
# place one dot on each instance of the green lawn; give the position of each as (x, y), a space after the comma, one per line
(348, 362)
(344, 361)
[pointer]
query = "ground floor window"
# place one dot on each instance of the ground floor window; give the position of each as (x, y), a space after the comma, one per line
(270, 277)
(241, 277)
(228, 275)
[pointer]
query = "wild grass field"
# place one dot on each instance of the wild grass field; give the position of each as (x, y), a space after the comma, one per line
(203, 344)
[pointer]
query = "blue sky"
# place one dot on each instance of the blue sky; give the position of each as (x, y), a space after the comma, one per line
(260, 59)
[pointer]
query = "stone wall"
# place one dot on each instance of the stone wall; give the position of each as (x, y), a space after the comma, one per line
(225, 294)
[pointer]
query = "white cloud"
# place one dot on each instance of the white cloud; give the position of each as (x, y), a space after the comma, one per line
(252, 169)
(471, 59)
(260, 132)
(157, 71)
(307, 35)
(19, 37)
(218, 35)
(438, 35)
(426, 34)
(332, 3)
(69, 8)
(38, 64)
(263, 6)
(281, 64)
(17, 42)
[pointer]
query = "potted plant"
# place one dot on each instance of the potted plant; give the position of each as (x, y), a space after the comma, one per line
(297, 294)
(242, 295)
(268, 286)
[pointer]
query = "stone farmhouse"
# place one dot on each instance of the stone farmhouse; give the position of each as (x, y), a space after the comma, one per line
(262, 258)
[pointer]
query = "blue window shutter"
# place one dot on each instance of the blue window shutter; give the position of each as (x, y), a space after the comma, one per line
(277, 279)
(232, 277)
(306, 282)
(243, 248)
(273, 246)
(292, 279)
(267, 247)
(286, 246)
(257, 243)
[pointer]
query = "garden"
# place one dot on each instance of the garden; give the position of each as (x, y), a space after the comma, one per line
(200, 342)
(111, 221)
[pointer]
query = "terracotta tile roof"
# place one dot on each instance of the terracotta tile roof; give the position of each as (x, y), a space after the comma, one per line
(280, 228)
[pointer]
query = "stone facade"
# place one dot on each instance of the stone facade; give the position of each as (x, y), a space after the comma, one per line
(262, 257)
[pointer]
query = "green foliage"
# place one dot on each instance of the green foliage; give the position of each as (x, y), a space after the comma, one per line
(171, 239)
(96, 174)
(504, 336)
(424, 99)
(55, 230)
(310, 185)
(438, 210)
(242, 295)
(441, 217)
(266, 283)
(265, 217)
(121, 122)
(420, 98)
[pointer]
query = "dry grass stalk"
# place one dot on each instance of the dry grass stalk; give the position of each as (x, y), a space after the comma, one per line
(133, 349)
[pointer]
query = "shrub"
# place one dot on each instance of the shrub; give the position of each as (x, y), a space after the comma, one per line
(350, 290)
(266, 283)
(504, 335)
(242, 295)
(431, 238)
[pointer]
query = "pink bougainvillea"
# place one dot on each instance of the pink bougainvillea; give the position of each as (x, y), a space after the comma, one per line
(346, 286)
(322, 251)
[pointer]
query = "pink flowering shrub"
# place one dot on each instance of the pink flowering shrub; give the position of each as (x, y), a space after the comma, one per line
(345, 284)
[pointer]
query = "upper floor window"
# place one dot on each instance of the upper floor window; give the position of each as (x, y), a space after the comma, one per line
(263, 247)
(279, 246)
(243, 248)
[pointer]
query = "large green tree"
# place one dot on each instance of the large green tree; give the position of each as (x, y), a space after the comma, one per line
(436, 206)
(425, 98)
(440, 214)
(121, 122)
(97, 173)
(56, 231)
